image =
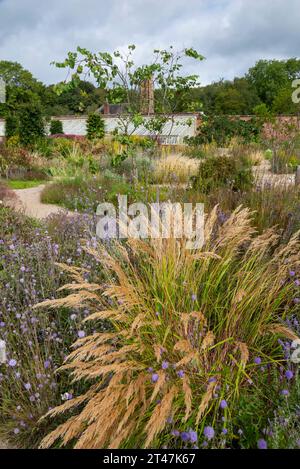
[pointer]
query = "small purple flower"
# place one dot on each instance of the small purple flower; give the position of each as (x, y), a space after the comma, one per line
(12, 362)
(194, 297)
(257, 360)
(154, 378)
(297, 283)
(165, 365)
(223, 404)
(285, 392)
(289, 374)
(47, 364)
(27, 386)
(180, 373)
(185, 436)
(16, 431)
(296, 301)
(193, 436)
(292, 273)
(209, 433)
(262, 444)
(81, 334)
(175, 433)
(224, 431)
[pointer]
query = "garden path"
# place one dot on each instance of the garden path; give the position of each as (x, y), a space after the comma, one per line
(29, 200)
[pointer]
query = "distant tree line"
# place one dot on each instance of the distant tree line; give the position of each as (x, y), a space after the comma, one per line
(268, 84)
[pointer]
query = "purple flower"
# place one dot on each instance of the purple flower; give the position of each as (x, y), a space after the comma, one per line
(285, 392)
(193, 436)
(47, 364)
(180, 373)
(289, 374)
(223, 404)
(154, 378)
(297, 283)
(224, 431)
(194, 297)
(257, 360)
(296, 301)
(12, 362)
(209, 433)
(165, 365)
(175, 433)
(292, 273)
(27, 386)
(16, 431)
(185, 436)
(81, 334)
(262, 444)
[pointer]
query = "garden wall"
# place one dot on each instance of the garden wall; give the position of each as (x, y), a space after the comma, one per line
(2, 129)
(174, 131)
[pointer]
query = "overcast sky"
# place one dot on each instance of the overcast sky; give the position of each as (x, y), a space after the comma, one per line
(231, 34)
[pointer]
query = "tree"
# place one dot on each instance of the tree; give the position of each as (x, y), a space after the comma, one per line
(270, 77)
(31, 124)
(95, 127)
(56, 127)
(122, 79)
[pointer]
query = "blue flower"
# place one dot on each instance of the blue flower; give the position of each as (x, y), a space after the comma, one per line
(262, 444)
(289, 374)
(223, 404)
(154, 378)
(209, 433)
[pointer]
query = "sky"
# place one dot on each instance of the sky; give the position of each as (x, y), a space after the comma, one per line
(231, 34)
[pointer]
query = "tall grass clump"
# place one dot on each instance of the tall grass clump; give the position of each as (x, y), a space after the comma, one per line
(187, 328)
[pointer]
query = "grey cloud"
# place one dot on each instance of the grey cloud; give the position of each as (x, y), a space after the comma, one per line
(232, 34)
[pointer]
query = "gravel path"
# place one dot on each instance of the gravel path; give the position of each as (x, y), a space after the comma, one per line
(29, 200)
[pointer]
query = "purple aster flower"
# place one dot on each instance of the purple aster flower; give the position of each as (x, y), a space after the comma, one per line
(292, 273)
(223, 404)
(193, 436)
(257, 360)
(16, 431)
(154, 378)
(297, 283)
(209, 433)
(81, 334)
(12, 362)
(165, 365)
(194, 297)
(289, 374)
(27, 386)
(47, 364)
(180, 373)
(285, 392)
(175, 433)
(224, 431)
(296, 301)
(185, 436)
(262, 444)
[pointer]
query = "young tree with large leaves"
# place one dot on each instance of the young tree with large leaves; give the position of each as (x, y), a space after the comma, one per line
(122, 79)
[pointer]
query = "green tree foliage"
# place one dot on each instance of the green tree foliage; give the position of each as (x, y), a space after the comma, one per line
(221, 129)
(31, 124)
(95, 126)
(56, 127)
(273, 78)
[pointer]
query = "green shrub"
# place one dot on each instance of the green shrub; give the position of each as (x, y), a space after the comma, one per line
(95, 127)
(56, 127)
(223, 171)
(221, 129)
(31, 124)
